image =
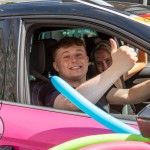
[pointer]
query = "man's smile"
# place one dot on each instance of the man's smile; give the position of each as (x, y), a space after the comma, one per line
(75, 67)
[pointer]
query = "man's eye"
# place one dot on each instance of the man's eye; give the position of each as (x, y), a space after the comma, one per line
(78, 55)
(66, 57)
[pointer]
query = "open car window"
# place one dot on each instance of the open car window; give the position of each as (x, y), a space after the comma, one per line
(44, 40)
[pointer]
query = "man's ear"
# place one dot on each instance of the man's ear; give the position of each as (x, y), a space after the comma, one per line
(88, 58)
(55, 66)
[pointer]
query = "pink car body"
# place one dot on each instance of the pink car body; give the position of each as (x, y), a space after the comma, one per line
(43, 129)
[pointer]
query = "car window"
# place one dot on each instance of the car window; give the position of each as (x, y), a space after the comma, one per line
(79, 33)
(44, 39)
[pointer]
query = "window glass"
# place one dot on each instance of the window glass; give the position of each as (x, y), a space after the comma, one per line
(2, 62)
(44, 40)
(10, 48)
(79, 33)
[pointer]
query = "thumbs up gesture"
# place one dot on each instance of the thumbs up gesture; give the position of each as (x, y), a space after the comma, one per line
(124, 57)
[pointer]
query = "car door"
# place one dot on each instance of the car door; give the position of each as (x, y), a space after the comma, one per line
(27, 126)
(37, 127)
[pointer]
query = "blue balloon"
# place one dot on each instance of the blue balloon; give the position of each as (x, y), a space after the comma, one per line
(92, 110)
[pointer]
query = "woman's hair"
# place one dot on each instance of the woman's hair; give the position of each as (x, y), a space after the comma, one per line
(102, 45)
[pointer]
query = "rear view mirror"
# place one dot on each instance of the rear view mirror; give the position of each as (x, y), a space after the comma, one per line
(143, 121)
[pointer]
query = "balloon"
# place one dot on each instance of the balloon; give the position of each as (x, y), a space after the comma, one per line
(92, 110)
(126, 145)
(97, 139)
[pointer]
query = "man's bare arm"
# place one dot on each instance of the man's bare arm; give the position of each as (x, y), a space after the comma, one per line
(123, 60)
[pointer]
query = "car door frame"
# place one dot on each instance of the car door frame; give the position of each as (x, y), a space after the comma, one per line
(23, 92)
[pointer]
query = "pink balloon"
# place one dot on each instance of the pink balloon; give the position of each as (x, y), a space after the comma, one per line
(125, 145)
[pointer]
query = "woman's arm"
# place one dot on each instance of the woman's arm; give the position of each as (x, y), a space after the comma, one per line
(142, 61)
(134, 95)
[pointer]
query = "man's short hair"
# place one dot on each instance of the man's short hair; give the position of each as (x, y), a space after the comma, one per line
(67, 42)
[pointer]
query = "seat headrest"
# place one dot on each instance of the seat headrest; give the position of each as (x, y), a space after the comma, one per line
(37, 57)
(49, 45)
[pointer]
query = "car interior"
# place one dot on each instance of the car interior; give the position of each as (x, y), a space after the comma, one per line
(42, 44)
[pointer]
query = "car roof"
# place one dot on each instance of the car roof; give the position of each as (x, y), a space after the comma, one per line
(50, 7)
(26, 7)
(72, 9)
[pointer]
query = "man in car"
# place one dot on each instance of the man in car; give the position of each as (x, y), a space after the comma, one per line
(71, 62)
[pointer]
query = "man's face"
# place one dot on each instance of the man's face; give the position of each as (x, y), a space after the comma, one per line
(71, 63)
(103, 60)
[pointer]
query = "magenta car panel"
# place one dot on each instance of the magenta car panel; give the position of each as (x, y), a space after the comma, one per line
(43, 128)
(33, 128)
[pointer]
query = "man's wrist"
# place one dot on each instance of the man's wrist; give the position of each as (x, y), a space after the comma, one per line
(117, 71)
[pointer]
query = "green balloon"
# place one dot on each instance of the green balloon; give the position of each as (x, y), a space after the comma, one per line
(96, 139)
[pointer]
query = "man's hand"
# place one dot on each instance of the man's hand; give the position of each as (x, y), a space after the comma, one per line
(124, 57)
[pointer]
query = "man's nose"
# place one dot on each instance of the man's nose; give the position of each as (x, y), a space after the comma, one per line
(73, 58)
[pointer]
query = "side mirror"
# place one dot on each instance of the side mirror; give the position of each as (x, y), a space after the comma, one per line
(143, 120)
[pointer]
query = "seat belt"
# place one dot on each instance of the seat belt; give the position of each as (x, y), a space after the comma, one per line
(38, 75)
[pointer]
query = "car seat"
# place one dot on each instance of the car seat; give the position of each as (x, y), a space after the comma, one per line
(39, 85)
(49, 45)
